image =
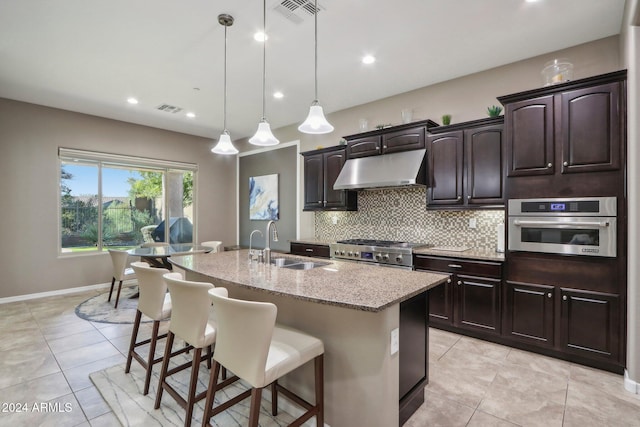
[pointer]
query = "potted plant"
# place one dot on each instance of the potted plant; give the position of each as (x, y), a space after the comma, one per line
(446, 119)
(494, 111)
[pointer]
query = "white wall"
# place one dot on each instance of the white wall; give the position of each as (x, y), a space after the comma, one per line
(29, 139)
(630, 48)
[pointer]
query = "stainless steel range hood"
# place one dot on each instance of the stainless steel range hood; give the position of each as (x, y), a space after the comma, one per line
(388, 170)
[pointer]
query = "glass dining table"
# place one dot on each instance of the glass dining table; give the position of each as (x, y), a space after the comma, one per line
(158, 256)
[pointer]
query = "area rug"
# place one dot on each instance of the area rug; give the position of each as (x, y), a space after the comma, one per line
(123, 393)
(98, 309)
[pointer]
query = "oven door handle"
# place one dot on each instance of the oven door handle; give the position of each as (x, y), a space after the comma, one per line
(602, 224)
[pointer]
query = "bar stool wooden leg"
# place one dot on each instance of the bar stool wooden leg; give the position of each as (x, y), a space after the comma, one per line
(134, 337)
(274, 398)
(211, 394)
(165, 368)
(193, 382)
(319, 378)
(152, 355)
(254, 412)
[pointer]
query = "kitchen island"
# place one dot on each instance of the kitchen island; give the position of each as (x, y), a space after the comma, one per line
(353, 308)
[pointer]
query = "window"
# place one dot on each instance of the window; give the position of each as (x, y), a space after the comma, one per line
(111, 201)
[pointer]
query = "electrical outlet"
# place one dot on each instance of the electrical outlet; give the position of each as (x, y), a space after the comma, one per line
(472, 223)
(395, 341)
(334, 220)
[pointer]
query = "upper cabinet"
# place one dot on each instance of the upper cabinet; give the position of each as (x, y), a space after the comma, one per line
(321, 169)
(394, 139)
(466, 165)
(567, 128)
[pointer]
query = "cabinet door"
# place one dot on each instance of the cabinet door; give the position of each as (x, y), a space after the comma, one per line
(403, 140)
(529, 135)
(313, 182)
(590, 324)
(477, 303)
(591, 129)
(441, 303)
(333, 163)
(445, 169)
(363, 147)
(484, 165)
(529, 313)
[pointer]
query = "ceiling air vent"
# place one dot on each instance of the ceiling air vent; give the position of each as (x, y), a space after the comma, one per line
(169, 108)
(297, 11)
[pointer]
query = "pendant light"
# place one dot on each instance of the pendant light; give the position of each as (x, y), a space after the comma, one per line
(224, 145)
(263, 135)
(316, 123)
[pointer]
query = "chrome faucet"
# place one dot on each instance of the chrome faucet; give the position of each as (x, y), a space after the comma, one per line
(267, 249)
(250, 243)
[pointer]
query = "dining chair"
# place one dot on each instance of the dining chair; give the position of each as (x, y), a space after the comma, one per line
(215, 244)
(250, 345)
(155, 303)
(120, 271)
(190, 322)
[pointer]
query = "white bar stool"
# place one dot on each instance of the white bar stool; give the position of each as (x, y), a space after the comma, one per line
(189, 322)
(155, 303)
(250, 345)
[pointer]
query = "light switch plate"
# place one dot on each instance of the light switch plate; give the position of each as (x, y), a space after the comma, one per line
(473, 223)
(334, 220)
(395, 341)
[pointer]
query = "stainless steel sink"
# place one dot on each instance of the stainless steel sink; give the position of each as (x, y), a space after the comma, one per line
(297, 263)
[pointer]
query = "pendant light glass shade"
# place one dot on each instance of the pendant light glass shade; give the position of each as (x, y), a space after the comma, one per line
(224, 145)
(315, 123)
(263, 136)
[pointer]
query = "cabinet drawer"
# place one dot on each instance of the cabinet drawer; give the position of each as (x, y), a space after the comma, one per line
(306, 249)
(459, 266)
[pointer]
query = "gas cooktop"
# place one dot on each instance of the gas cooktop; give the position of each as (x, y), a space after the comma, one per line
(381, 252)
(382, 243)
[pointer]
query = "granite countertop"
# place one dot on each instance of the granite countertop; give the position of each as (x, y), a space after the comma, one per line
(341, 283)
(470, 253)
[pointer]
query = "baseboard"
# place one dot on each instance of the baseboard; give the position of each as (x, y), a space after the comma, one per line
(630, 385)
(61, 292)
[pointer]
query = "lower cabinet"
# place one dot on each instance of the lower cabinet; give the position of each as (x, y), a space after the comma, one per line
(470, 299)
(308, 249)
(529, 313)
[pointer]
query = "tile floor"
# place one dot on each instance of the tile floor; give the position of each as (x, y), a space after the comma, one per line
(47, 354)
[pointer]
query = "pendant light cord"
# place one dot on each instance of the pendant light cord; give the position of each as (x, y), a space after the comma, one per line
(224, 110)
(315, 15)
(264, 58)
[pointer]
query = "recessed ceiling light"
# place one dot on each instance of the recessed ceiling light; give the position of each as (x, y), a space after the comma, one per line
(191, 115)
(531, 1)
(260, 36)
(278, 95)
(368, 59)
(132, 100)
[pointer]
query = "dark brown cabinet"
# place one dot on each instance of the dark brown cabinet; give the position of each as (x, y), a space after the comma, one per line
(321, 169)
(589, 324)
(529, 313)
(470, 298)
(557, 136)
(309, 249)
(466, 165)
(411, 136)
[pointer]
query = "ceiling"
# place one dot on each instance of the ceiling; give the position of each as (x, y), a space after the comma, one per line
(90, 56)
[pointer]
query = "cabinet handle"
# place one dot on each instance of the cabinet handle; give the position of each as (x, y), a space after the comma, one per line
(459, 198)
(565, 164)
(549, 295)
(384, 147)
(448, 280)
(549, 165)
(459, 282)
(308, 250)
(454, 266)
(564, 298)
(468, 197)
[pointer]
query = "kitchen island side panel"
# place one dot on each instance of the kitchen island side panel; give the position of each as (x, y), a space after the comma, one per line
(361, 375)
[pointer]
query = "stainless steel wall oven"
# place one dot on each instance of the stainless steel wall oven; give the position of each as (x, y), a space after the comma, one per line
(571, 226)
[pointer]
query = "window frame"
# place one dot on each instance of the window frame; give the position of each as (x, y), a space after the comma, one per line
(100, 159)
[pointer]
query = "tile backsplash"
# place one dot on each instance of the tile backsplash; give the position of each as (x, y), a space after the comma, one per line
(400, 214)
